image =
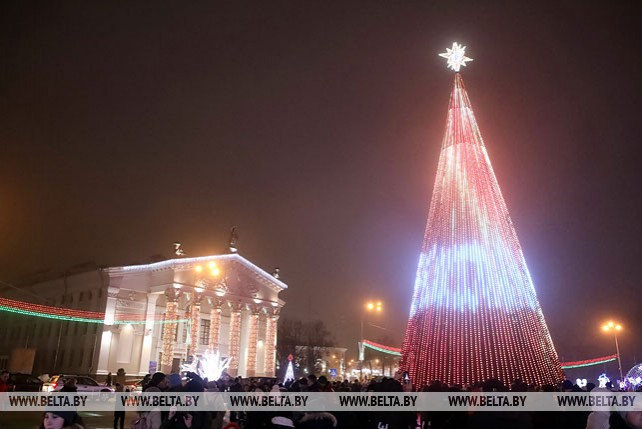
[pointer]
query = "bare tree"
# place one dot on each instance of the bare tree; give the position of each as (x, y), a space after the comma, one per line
(305, 341)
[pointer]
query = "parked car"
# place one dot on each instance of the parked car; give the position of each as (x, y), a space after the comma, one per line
(83, 383)
(134, 385)
(24, 383)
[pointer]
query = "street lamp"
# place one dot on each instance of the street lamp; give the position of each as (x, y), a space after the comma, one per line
(615, 328)
(369, 307)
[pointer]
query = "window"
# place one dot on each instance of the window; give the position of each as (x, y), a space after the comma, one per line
(205, 332)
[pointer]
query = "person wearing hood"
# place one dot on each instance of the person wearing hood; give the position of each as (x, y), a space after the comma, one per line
(157, 384)
(283, 421)
(317, 421)
(62, 420)
(174, 382)
(598, 419)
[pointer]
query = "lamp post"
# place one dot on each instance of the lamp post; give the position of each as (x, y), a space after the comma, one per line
(369, 307)
(615, 327)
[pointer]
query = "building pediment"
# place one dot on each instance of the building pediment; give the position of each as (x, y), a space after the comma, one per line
(238, 279)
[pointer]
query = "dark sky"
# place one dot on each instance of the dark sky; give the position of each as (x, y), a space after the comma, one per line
(316, 128)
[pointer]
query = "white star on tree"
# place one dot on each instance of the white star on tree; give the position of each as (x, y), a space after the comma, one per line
(455, 56)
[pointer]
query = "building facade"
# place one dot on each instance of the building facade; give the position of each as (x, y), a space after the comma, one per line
(154, 317)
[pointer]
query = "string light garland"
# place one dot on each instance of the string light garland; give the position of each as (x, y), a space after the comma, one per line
(195, 319)
(381, 348)
(169, 334)
(60, 313)
(252, 340)
(235, 340)
(269, 360)
(588, 362)
(215, 323)
(474, 312)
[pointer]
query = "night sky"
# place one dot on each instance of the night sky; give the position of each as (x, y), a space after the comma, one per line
(316, 129)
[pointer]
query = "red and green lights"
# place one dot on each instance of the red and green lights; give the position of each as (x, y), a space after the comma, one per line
(474, 313)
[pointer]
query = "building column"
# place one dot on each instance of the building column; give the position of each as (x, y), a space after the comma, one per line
(215, 326)
(252, 342)
(270, 342)
(148, 335)
(106, 337)
(235, 340)
(195, 321)
(169, 328)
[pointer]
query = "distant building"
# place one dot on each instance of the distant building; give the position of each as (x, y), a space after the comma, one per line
(155, 317)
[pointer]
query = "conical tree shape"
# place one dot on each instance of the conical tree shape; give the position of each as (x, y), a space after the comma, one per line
(474, 312)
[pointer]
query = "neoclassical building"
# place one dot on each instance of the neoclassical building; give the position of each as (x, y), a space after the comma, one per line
(156, 316)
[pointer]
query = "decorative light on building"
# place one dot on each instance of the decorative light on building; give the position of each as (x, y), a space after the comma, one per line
(195, 319)
(72, 315)
(235, 338)
(474, 313)
(252, 340)
(270, 343)
(169, 329)
(215, 323)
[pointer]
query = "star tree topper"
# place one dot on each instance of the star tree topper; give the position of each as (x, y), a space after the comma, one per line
(456, 57)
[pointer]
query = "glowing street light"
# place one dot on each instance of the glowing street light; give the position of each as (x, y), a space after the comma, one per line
(614, 327)
(369, 307)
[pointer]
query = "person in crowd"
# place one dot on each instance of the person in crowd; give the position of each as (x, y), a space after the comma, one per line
(174, 382)
(62, 420)
(199, 419)
(109, 379)
(145, 381)
(390, 419)
(4, 381)
(313, 384)
(178, 420)
(599, 419)
(282, 420)
(70, 386)
(157, 384)
(119, 416)
(315, 420)
(626, 420)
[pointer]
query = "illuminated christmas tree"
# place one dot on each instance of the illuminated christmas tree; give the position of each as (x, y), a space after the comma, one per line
(474, 313)
(289, 372)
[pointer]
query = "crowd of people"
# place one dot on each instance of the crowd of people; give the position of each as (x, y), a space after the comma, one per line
(159, 382)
